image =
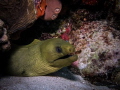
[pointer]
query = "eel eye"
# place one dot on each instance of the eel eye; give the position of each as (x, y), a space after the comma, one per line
(59, 49)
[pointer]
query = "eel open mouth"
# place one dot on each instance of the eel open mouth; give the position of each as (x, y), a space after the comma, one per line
(68, 55)
(64, 57)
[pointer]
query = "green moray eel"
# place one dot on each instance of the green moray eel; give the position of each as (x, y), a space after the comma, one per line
(41, 57)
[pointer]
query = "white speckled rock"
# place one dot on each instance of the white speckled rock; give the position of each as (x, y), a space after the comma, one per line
(58, 82)
(99, 45)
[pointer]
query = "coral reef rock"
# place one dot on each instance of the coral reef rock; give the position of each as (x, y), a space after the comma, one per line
(100, 48)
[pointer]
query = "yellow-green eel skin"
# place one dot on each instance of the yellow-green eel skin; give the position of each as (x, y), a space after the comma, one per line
(40, 57)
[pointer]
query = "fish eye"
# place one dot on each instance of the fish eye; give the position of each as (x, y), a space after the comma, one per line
(59, 49)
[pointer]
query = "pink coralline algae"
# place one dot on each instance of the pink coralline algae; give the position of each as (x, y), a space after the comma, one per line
(65, 35)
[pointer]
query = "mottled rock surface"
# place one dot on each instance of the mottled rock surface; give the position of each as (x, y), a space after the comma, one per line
(62, 80)
(99, 45)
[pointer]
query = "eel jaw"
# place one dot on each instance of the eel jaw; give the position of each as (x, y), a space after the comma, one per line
(64, 61)
(68, 55)
(64, 57)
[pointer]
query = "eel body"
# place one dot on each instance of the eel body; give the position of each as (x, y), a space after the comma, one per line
(40, 57)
